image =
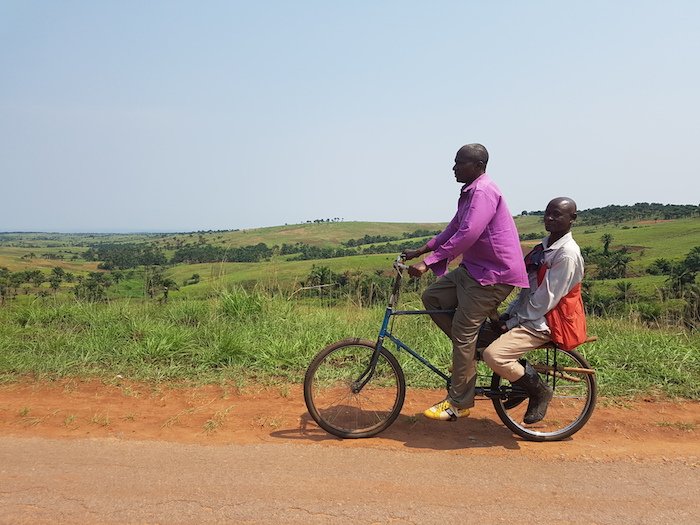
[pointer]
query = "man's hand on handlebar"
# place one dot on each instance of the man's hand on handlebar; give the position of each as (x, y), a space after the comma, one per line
(418, 269)
(412, 254)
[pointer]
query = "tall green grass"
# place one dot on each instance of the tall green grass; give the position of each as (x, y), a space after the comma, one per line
(244, 335)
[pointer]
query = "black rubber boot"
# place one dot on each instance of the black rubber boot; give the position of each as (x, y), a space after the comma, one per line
(539, 393)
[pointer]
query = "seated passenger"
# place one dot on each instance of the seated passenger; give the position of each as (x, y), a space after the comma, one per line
(523, 325)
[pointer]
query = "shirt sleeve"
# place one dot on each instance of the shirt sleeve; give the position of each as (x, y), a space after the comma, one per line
(557, 282)
(445, 234)
(479, 213)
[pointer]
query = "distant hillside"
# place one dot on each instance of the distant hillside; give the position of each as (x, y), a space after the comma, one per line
(322, 235)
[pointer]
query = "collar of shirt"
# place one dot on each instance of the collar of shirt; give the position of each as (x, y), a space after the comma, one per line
(483, 178)
(558, 244)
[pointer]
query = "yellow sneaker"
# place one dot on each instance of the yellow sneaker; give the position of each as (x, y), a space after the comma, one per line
(444, 411)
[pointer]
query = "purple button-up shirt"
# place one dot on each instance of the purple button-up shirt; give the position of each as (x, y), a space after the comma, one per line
(484, 234)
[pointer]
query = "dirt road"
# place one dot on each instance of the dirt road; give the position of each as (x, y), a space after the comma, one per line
(76, 452)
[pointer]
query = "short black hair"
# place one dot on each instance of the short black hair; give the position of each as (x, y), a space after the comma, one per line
(561, 200)
(475, 152)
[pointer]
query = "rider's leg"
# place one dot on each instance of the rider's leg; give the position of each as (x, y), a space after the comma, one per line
(475, 304)
(441, 295)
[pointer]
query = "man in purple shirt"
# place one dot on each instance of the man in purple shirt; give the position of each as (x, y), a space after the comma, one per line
(483, 233)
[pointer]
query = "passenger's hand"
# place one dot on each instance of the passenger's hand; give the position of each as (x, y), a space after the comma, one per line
(418, 269)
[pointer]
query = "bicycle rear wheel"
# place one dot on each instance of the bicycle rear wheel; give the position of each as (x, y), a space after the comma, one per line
(574, 384)
(337, 401)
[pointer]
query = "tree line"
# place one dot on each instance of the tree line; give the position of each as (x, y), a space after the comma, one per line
(374, 239)
(130, 255)
(205, 253)
(306, 252)
(92, 286)
(636, 212)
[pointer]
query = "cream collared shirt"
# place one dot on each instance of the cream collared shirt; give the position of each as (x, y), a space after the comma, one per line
(565, 263)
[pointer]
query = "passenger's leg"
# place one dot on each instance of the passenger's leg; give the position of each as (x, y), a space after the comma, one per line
(502, 355)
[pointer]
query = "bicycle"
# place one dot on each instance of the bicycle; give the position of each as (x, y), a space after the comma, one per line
(355, 388)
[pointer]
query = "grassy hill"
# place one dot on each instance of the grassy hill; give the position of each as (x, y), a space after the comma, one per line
(329, 234)
(646, 240)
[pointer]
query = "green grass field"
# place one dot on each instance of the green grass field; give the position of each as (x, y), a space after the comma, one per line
(241, 336)
(213, 331)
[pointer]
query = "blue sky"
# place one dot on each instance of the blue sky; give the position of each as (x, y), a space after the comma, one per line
(180, 116)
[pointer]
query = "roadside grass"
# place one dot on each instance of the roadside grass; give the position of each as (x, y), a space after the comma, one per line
(631, 359)
(102, 420)
(678, 425)
(217, 421)
(241, 338)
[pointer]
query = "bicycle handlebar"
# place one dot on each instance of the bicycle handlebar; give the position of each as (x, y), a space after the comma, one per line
(399, 266)
(399, 262)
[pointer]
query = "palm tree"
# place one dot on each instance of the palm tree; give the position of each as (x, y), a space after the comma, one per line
(624, 289)
(606, 239)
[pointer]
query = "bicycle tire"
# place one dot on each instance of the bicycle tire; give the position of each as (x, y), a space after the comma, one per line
(575, 395)
(329, 395)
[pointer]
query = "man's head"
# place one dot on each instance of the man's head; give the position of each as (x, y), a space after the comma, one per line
(559, 216)
(470, 163)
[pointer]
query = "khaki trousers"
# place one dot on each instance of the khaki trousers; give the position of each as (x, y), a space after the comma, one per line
(473, 303)
(503, 351)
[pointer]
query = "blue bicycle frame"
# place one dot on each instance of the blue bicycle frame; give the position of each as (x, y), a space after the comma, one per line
(384, 332)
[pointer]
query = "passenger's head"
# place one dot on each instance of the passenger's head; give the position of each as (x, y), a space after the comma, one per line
(560, 216)
(470, 163)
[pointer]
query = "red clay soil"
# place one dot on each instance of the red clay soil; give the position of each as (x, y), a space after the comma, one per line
(640, 429)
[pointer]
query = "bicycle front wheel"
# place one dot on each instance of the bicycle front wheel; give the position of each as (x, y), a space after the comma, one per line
(574, 384)
(338, 400)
